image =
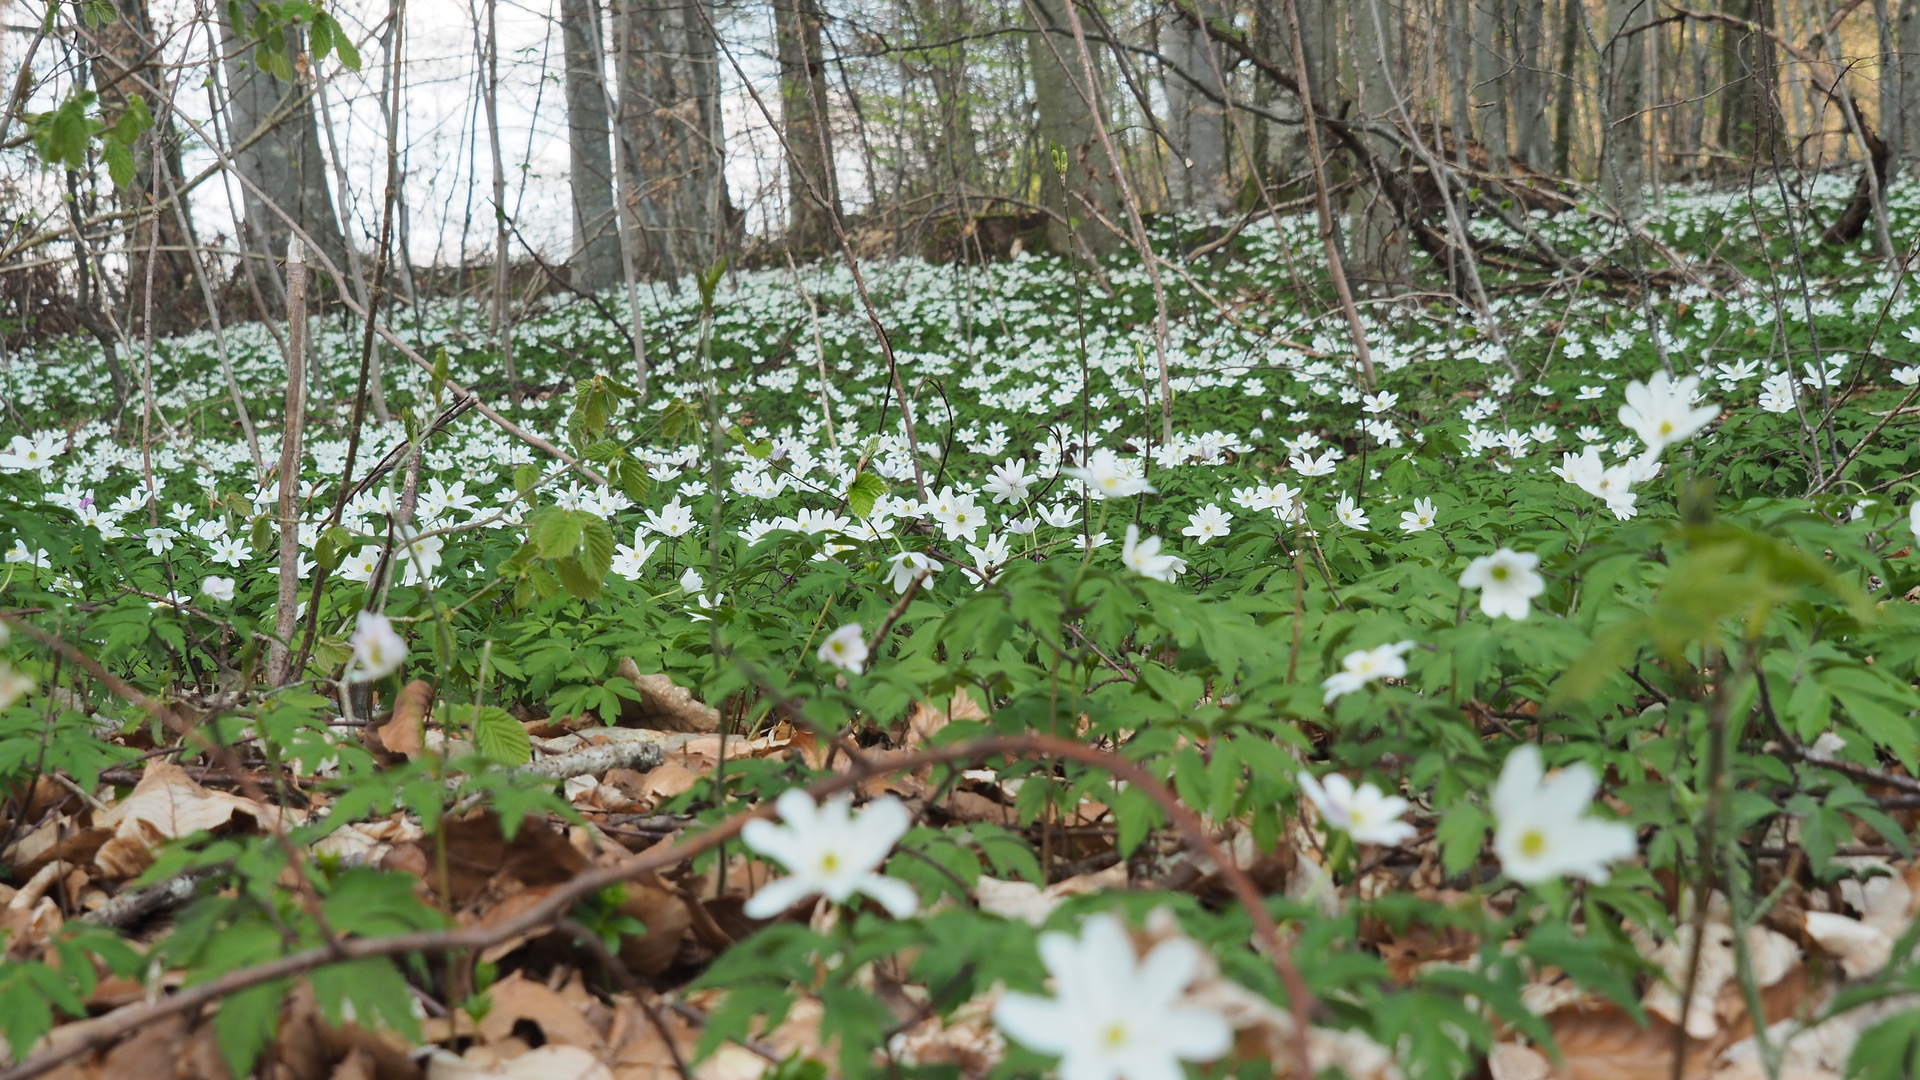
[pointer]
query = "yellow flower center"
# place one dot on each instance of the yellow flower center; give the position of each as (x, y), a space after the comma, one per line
(1115, 1035)
(829, 863)
(1499, 573)
(1666, 427)
(1533, 843)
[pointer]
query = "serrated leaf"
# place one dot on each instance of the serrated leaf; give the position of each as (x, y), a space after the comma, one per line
(864, 492)
(556, 533)
(1460, 831)
(500, 737)
(526, 478)
(634, 479)
(575, 579)
(596, 548)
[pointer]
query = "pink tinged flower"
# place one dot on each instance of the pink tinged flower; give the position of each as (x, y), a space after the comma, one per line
(1366, 813)
(830, 851)
(1115, 1014)
(1542, 830)
(1506, 581)
(377, 649)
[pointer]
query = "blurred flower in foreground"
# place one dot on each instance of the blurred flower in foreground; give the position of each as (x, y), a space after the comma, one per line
(1506, 582)
(1542, 830)
(377, 649)
(1113, 1014)
(845, 649)
(1362, 666)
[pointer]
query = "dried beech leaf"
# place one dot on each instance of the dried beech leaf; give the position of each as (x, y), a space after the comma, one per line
(516, 999)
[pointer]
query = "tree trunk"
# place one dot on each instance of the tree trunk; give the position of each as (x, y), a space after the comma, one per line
(1197, 176)
(813, 191)
(285, 164)
(1460, 72)
(1623, 82)
(671, 137)
(955, 151)
(1572, 15)
(1908, 39)
(1490, 80)
(123, 56)
(1377, 245)
(1067, 125)
(1532, 139)
(1888, 80)
(1750, 121)
(595, 264)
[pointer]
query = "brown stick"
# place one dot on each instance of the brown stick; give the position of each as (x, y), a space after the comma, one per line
(279, 659)
(117, 1024)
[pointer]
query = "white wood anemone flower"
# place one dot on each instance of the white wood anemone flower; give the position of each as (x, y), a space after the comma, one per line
(1542, 830)
(1506, 581)
(1365, 813)
(1362, 666)
(1115, 1015)
(829, 850)
(377, 649)
(1661, 411)
(845, 649)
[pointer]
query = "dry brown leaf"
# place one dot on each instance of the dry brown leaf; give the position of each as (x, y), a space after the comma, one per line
(480, 860)
(404, 732)
(667, 919)
(546, 1063)
(517, 998)
(55, 839)
(168, 804)
(1861, 949)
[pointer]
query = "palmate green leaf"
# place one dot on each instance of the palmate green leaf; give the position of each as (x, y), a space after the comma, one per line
(1889, 1050)
(499, 736)
(864, 492)
(29, 991)
(375, 990)
(556, 532)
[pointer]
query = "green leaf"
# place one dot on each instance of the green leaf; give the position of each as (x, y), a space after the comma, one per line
(119, 162)
(596, 548)
(500, 737)
(556, 533)
(864, 492)
(633, 478)
(344, 48)
(1460, 832)
(247, 1022)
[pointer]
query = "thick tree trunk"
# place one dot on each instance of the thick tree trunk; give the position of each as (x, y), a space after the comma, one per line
(1067, 126)
(813, 191)
(1490, 78)
(124, 47)
(1377, 249)
(1532, 139)
(672, 139)
(1572, 19)
(1623, 83)
(285, 164)
(1460, 72)
(1197, 176)
(595, 263)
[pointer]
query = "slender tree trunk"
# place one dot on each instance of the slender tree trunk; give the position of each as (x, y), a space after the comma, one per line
(279, 657)
(1888, 79)
(1196, 119)
(1907, 36)
(286, 164)
(595, 264)
(499, 326)
(1623, 80)
(813, 190)
(1067, 126)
